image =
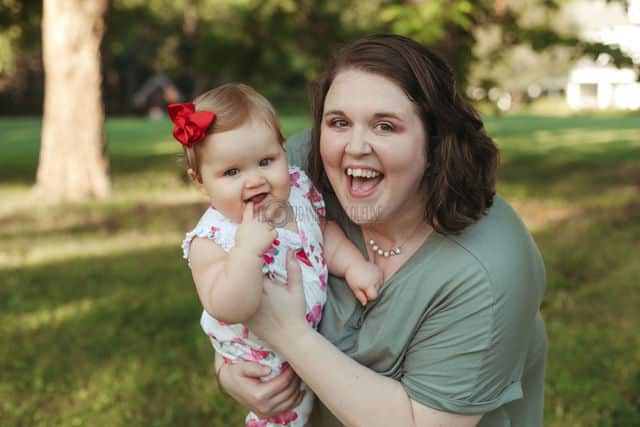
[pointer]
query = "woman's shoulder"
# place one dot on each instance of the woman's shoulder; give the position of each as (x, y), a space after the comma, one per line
(501, 245)
(297, 148)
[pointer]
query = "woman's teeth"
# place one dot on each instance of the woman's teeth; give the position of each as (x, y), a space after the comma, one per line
(362, 173)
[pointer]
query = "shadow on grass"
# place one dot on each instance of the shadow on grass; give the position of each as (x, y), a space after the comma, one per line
(24, 172)
(108, 341)
(61, 222)
(569, 161)
(525, 125)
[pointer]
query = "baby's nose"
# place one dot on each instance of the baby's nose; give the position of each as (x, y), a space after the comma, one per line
(254, 180)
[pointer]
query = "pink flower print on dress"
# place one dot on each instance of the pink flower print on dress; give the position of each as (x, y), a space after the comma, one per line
(237, 340)
(213, 231)
(257, 355)
(256, 423)
(323, 282)
(212, 206)
(302, 257)
(284, 365)
(316, 201)
(303, 238)
(314, 315)
(271, 252)
(213, 337)
(221, 323)
(245, 332)
(284, 419)
(294, 179)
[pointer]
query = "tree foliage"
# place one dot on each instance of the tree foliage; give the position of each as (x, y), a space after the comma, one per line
(277, 45)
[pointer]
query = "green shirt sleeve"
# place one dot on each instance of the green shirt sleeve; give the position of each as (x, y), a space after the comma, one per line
(459, 359)
(297, 148)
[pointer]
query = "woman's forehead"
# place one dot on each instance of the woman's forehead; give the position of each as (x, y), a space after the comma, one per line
(365, 91)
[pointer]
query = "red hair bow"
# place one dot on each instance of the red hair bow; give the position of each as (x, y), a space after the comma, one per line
(190, 127)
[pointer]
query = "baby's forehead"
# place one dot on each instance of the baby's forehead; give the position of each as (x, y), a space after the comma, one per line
(240, 146)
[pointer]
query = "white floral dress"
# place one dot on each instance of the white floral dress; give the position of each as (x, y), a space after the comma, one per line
(235, 342)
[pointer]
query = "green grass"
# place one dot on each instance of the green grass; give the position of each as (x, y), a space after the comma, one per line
(99, 318)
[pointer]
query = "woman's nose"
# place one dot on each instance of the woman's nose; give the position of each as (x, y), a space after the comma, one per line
(358, 143)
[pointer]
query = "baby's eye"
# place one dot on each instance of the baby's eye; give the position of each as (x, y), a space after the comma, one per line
(384, 127)
(231, 172)
(265, 162)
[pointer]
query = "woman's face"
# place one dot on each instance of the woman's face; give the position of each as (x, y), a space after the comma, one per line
(372, 144)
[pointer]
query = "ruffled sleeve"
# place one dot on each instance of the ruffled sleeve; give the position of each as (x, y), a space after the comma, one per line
(213, 226)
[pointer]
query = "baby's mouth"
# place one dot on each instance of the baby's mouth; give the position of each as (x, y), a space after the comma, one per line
(257, 198)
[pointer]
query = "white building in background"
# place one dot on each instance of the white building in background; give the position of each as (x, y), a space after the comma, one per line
(599, 84)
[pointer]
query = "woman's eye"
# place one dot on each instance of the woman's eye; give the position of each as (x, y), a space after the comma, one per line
(384, 127)
(339, 123)
(231, 172)
(265, 162)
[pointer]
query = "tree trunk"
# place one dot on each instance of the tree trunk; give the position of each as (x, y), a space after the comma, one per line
(73, 162)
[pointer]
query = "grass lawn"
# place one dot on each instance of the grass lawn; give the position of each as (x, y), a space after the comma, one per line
(99, 317)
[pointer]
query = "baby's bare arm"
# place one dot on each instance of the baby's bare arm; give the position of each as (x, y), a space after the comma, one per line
(344, 260)
(229, 284)
(339, 252)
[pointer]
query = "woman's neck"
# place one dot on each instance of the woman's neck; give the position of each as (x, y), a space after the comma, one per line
(395, 232)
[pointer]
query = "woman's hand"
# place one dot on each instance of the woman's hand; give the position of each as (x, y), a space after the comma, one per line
(266, 399)
(280, 318)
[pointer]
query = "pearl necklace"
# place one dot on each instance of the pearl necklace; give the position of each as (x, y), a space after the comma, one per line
(393, 251)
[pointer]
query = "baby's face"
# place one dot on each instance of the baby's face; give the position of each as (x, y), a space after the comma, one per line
(242, 165)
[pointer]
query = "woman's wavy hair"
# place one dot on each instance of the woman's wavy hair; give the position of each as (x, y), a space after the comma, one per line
(459, 179)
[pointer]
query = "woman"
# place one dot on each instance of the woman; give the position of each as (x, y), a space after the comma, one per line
(455, 337)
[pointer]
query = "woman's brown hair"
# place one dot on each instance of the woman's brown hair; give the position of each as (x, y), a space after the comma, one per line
(459, 180)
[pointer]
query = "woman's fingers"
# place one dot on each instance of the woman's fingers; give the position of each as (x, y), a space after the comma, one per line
(294, 274)
(289, 394)
(254, 370)
(277, 394)
(282, 383)
(288, 404)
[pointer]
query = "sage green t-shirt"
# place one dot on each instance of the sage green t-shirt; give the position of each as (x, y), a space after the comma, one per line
(458, 325)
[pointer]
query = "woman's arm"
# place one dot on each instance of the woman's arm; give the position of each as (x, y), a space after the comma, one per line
(356, 395)
(241, 380)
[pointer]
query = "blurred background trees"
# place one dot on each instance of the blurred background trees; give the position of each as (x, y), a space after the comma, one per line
(277, 45)
(73, 160)
(504, 53)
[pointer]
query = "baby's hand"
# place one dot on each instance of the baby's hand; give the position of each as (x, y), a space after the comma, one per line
(364, 279)
(254, 235)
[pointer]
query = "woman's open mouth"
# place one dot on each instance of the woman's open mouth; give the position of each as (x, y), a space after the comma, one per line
(363, 182)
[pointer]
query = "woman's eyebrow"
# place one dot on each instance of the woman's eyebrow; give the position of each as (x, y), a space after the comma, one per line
(375, 116)
(387, 114)
(336, 112)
